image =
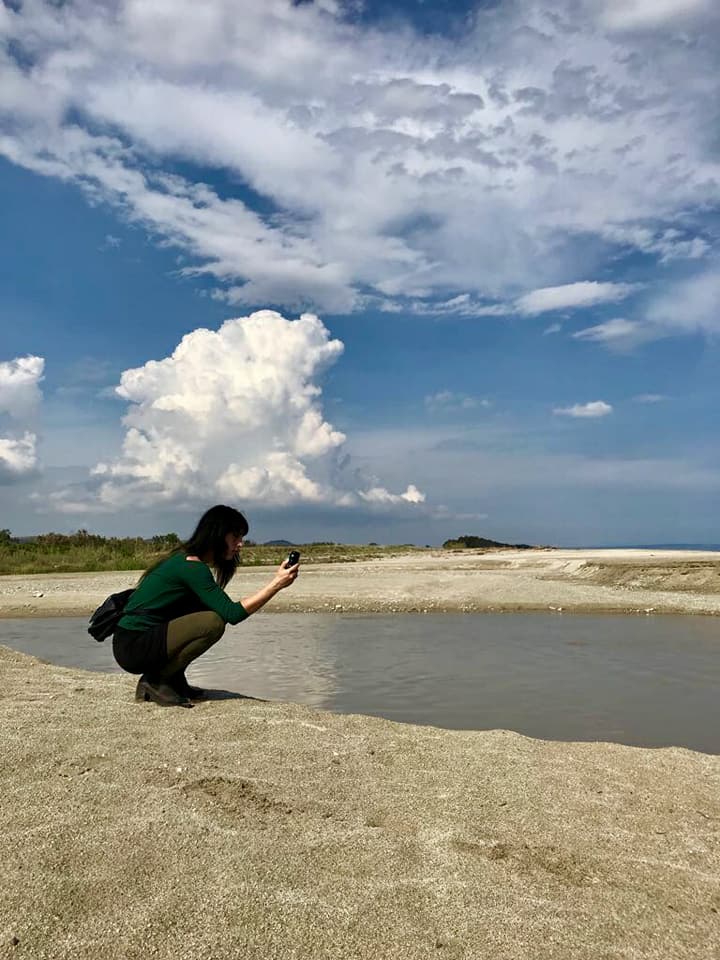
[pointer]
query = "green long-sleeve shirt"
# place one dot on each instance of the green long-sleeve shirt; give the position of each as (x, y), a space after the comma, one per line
(175, 580)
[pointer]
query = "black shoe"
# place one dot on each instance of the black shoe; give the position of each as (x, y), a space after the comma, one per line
(180, 685)
(160, 693)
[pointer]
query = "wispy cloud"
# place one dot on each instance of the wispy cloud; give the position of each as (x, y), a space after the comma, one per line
(462, 305)
(571, 296)
(630, 14)
(510, 461)
(587, 293)
(688, 306)
(592, 410)
(442, 512)
(448, 401)
(616, 332)
(692, 305)
(375, 162)
(85, 380)
(649, 398)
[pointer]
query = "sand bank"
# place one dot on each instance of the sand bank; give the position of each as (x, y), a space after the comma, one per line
(244, 829)
(600, 581)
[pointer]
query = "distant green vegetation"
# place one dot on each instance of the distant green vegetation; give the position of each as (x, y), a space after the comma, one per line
(462, 543)
(85, 552)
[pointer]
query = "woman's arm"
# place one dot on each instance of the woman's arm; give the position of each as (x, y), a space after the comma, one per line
(283, 578)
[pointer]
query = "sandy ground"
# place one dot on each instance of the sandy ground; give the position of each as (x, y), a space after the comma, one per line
(603, 581)
(251, 829)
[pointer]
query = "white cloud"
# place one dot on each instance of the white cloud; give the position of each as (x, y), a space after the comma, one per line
(690, 306)
(572, 295)
(234, 414)
(594, 409)
(20, 393)
(624, 14)
(18, 456)
(386, 163)
(380, 495)
(20, 398)
(669, 244)
(618, 331)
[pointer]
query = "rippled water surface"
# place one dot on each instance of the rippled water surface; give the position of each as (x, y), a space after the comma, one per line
(648, 681)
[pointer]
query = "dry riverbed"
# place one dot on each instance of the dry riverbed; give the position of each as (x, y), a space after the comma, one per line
(601, 581)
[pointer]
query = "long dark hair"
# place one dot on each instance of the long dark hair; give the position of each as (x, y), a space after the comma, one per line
(208, 542)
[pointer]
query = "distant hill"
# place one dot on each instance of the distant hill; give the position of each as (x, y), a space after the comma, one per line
(278, 543)
(467, 541)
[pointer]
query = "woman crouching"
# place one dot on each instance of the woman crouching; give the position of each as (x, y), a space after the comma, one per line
(178, 610)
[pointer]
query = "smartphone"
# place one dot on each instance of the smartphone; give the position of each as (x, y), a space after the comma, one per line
(293, 558)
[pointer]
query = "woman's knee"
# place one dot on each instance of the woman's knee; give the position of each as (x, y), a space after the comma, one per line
(215, 624)
(205, 627)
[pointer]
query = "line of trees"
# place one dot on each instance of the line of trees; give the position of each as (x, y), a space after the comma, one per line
(83, 551)
(466, 541)
(83, 538)
(80, 551)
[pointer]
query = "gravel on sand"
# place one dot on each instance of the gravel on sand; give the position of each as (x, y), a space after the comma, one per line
(597, 581)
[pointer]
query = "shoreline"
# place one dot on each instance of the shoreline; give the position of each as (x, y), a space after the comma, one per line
(371, 611)
(602, 582)
(292, 833)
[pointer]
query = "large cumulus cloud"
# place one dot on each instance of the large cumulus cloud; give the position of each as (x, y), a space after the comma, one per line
(234, 414)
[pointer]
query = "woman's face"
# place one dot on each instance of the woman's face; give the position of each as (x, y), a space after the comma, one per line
(234, 542)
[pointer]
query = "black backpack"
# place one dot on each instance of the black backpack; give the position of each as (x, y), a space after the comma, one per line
(105, 619)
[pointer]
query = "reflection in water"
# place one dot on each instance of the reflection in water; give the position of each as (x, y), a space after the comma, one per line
(649, 681)
(274, 657)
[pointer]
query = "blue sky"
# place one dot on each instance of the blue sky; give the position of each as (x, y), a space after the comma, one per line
(440, 268)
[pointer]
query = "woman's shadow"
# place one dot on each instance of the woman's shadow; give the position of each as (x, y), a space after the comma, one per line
(228, 695)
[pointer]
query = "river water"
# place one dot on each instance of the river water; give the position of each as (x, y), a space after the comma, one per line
(646, 681)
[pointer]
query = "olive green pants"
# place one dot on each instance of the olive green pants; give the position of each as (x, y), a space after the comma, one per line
(189, 637)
